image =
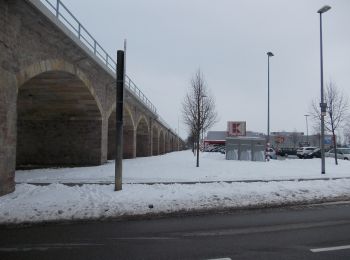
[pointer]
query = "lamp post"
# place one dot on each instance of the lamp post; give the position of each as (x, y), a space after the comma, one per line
(203, 96)
(269, 54)
(307, 129)
(322, 104)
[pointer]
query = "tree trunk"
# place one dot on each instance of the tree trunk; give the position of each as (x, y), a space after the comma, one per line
(335, 147)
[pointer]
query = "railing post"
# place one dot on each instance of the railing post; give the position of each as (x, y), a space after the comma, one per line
(57, 8)
(79, 29)
(94, 47)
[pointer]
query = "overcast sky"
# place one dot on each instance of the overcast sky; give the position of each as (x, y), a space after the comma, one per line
(168, 40)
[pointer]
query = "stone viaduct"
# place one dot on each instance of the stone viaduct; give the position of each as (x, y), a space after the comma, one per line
(57, 98)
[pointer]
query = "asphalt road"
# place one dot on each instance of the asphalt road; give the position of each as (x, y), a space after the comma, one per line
(308, 232)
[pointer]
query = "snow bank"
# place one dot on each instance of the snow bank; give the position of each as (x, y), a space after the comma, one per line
(31, 203)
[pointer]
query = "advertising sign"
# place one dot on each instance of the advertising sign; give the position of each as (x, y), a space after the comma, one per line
(328, 140)
(236, 128)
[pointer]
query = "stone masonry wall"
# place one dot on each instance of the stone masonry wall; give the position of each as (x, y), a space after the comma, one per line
(58, 143)
(31, 44)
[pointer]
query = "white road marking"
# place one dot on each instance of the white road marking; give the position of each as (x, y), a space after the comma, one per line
(261, 229)
(44, 247)
(334, 248)
(142, 238)
(220, 259)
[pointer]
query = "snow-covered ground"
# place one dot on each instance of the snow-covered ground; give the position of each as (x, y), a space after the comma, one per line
(30, 203)
(180, 167)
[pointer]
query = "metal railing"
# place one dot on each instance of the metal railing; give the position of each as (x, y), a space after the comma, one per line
(65, 16)
(166, 125)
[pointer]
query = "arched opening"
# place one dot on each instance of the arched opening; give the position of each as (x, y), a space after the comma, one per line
(58, 122)
(155, 141)
(161, 143)
(128, 135)
(142, 139)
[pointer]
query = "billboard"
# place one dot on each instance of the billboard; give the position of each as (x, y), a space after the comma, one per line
(236, 128)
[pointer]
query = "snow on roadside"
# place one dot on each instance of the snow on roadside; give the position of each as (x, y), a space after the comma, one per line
(31, 203)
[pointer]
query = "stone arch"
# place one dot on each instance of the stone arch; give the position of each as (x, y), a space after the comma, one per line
(59, 117)
(142, 138)
(37, 68)
(128, 133)
(155, 140)
(161, 142)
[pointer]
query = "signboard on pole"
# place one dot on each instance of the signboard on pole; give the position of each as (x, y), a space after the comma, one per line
(236, 128)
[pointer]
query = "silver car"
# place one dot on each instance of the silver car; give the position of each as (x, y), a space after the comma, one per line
(342, 153)
(302, 152)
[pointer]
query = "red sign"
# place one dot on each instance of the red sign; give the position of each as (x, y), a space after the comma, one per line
(237, 128)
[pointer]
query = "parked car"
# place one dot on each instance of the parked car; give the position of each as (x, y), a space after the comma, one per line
(342, 153)
(222, 150)
(286, 151)
(270, 153)
(314, 154)
(302, 152)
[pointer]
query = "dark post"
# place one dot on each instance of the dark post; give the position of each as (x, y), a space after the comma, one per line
(119, 120)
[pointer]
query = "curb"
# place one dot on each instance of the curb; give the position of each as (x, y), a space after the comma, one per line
(71, 184)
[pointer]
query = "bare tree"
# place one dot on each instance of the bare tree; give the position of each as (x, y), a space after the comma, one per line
(337, 109)
(198, 109)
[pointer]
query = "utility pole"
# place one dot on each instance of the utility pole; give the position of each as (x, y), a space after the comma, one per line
(322, 104)
(198, 133)
(269, 54)
(119, 119)
(307, 129)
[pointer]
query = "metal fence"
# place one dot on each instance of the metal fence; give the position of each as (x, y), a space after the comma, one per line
(63, 14)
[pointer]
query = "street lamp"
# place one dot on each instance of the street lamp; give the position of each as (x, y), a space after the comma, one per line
(307, 129)
(322, 104)
(269, 54)
(203, 96)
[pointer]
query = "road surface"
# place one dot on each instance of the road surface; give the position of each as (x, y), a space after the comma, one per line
(307, 232)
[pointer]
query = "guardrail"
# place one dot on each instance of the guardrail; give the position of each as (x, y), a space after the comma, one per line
(63, 14)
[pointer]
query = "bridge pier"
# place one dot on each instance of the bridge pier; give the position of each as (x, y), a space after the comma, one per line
(143, 139)
(8, 100)
(155, 141)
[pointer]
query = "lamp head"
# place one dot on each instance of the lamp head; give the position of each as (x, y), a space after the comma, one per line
(324, 9)
(270, 54)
